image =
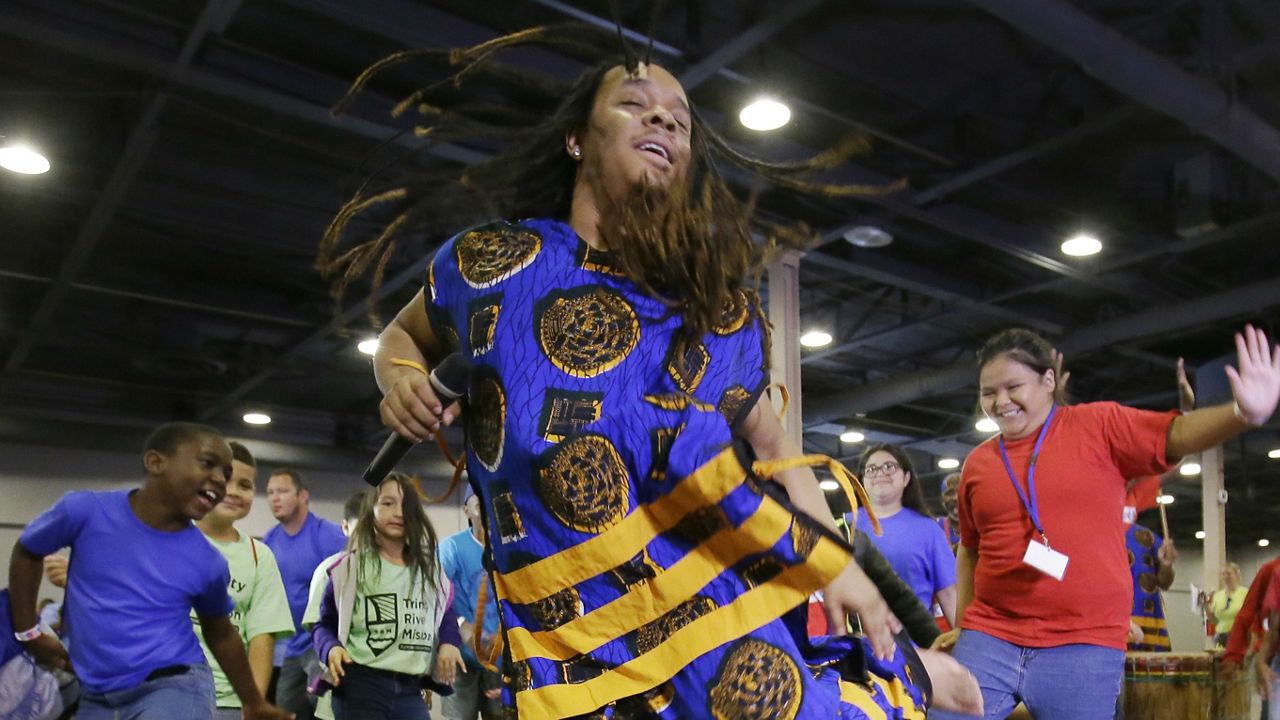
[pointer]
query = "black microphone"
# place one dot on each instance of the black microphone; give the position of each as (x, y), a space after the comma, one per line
(449, 381)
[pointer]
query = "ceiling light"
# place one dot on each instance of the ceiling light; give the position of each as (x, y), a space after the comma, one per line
(23, 159)
(1082, 245)
(948, 463)
(1199, 534)
(868, 236)
(1274, 454)
(764, 114)
(257, 418)
(852, 436)
(815, 339)
(1190, 468)
(829, 485)
(1165, 499)
(368, 347)
(986, 425)
(1264, 542)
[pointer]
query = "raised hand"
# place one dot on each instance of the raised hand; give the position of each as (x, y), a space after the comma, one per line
(1256, 384)
(1186, 394)
(1060, 375)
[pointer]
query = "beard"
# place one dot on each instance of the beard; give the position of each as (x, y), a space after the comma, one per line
(686, 244)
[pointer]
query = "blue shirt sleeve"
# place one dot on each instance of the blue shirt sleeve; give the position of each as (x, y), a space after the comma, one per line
(214, 599)
(59, 526)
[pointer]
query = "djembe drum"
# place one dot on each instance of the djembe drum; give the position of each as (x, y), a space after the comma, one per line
(1182, 686)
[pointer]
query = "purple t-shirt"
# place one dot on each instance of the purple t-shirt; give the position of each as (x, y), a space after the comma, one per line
(298, 557)
(130, 588)
(917, 549)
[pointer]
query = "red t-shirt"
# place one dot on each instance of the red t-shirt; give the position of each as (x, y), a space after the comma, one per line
(1249, 619)
(1088, 453)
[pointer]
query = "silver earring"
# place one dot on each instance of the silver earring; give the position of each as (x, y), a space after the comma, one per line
(577, 153)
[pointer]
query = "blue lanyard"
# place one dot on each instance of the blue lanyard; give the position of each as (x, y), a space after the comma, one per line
(1029, 498)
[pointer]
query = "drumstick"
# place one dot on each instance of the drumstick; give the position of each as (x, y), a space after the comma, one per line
(1164, 521)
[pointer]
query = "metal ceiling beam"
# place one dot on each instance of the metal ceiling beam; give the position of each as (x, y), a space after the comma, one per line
(1005, 163)
(674, 52)
(914, 386)
(226, 89)
(214, 18)
(202, 307)
(1146, 77)
(417, 270)
(1154, 249)
(746, 41)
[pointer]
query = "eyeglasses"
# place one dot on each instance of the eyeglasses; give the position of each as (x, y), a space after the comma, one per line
(888, 468)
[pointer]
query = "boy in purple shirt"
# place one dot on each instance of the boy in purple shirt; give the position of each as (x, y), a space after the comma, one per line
(139, 566)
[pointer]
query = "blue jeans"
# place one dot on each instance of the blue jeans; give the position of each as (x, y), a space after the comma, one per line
(1068, 682)
(369, 694)
(188, 695)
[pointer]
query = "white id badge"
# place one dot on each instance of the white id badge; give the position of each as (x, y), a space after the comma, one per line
(1046, 560)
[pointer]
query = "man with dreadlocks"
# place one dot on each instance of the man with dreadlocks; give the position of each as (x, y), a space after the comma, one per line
(644, 563)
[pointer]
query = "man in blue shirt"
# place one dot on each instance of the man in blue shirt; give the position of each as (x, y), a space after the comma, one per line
(300, 542)
(477, 691)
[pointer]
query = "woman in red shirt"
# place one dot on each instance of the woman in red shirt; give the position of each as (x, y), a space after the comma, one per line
(1043, 580)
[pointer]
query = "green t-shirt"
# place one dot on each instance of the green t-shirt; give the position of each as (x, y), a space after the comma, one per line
(393, 624)
(1225, 606)
(261, 606)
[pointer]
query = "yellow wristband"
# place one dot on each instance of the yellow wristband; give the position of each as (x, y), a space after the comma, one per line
(412, 364)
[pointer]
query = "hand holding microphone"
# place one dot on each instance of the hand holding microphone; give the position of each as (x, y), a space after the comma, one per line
(415, 408)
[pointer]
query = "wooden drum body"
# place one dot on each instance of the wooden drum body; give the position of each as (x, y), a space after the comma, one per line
(1182, 686)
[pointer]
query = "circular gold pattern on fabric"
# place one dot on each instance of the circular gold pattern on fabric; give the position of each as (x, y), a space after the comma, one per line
(489, 255)
(1145, 538)
(1148, 607)
(486, 419)
(1132, 559)
(732, 402)
(653, 634)
(803, 539)
(1147, 581)
(698, 526)
(556, 609)
(588, 331)
(756, 681)
(522, 676)
(734, 315)
(585, 483)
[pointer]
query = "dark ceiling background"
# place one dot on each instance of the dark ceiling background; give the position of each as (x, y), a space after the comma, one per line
(163, 268)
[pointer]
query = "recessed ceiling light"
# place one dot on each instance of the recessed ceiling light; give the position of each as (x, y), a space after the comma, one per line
(852, 436)
(1082, 245)
(257, 418)
(1274, 454)
(1165, 499)
(1190, 468)
(948, 463)
(815, 339)
(829, 485)
(1199, 534)
(1264, 542)
(868, 236)
(23, 159)
(764, 114)
(986, 425)
(368, 347)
